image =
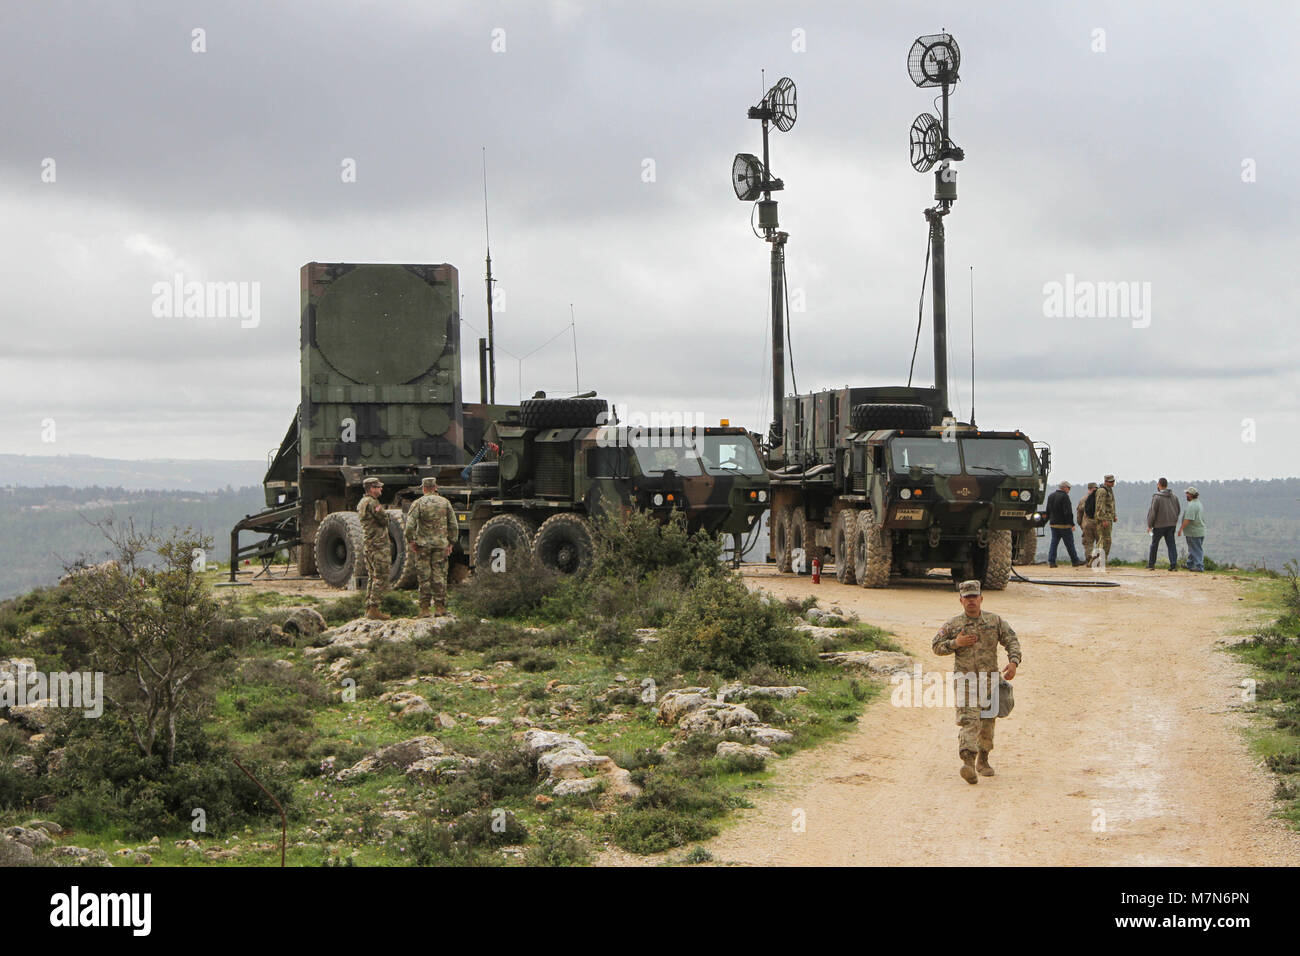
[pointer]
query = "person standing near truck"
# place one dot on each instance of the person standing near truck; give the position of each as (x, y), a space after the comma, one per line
(1062, 523)
(1087, 515)
(1105, 511)
(430, 532)
(374, 531)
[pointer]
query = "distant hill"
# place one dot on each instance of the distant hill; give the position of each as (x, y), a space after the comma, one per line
(160, 474)
(44, 528)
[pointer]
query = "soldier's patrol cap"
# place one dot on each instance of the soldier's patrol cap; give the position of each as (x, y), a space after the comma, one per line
(371, 483)
(1091, 485)
(967, 588)
(1109, 478)
(429, 481)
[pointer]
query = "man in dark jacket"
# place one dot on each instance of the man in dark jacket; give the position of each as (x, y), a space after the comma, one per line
(1162, 519)
(1061, 518)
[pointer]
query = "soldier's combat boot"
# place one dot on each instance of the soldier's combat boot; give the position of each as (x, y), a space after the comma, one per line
(424, 609)
(982, 765)
(968, 767)
(373, 612)
(440, 608)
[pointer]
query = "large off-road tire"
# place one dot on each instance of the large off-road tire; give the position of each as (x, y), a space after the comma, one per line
(778, 528)
(340, 548)
(842, 534)
(877, 416)
(564, 543)
(561, 412)
(997, 565)
(484, 473)
(402, 569)
(1027, 553)
(796, 536)
(504, 531)
(871, 554)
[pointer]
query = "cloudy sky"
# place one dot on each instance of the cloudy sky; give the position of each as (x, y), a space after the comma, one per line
(1109, 142)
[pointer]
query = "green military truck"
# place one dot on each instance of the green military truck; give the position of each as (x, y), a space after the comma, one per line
(381, 397)
(868, 481)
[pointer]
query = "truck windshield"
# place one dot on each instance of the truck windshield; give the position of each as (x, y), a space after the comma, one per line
(929, 454)
(655, 461)
(997, 456)
(729, 455)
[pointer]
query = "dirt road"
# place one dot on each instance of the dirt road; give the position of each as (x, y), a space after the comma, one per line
(1125, 747)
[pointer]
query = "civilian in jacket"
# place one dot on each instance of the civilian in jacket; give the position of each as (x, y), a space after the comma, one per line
(1061, 518)
(1162, 519)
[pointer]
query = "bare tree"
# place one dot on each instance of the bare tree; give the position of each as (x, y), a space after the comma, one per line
(152, 624)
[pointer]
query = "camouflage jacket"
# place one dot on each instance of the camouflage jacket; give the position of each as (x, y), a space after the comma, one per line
(1105, 504)
(983, 654)
(374, 521)
(431, 522)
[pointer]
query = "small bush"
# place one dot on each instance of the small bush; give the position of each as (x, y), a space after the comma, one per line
(514, 592)
(725, 628)
(697, 854)
(497, 776)
(653, 831)
(557, 848)
(489, 827)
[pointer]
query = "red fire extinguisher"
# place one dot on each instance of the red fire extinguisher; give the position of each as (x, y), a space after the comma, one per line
(817, 570)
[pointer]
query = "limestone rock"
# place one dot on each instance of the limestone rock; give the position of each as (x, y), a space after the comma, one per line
(49, 826)
(13, 853)
(78, 856)
(33, 837)
(729, 748)
(34, 716)
(398, 756)
(676, 704)
(715, 718)
(304, 622)
(760, 734)
(882, 663)
(746, 691)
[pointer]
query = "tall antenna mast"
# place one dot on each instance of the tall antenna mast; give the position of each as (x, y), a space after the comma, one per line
(972, 345)
(573, 327)
(491, 340)
(752, 179)
(933, 61)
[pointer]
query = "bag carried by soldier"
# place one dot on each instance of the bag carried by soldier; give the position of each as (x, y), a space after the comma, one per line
(1006, 697)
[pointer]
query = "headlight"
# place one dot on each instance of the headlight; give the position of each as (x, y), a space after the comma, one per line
(905, 493)
(658, 500)
(1027, 497)
(762, 496)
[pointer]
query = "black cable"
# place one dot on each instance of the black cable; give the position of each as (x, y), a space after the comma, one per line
(1063, 584)
(920, 306)
(789, 342)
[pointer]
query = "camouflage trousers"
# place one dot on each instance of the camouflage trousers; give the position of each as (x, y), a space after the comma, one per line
(976, 732)
(1089, 536)
(1103, 536)
(378, 566)
(431, 572)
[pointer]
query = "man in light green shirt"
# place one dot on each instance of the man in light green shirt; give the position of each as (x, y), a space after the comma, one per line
(1193, 529)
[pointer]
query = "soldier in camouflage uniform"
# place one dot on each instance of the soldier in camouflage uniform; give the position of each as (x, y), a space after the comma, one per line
(431, 530)
(1105, 513)
(974, 636)
(374, 528)
(1088, 522)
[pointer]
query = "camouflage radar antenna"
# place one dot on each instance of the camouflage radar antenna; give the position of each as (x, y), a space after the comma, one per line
(751, 178)
(933, 61)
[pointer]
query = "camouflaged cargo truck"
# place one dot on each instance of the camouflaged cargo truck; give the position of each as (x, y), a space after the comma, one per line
(560, 466)
(864, 479)
(381, 397)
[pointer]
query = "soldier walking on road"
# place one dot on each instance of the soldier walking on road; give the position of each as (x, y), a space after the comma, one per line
(974, 636)
(1105, 511)
(431, 530)
(378, 556)
(1087, 516)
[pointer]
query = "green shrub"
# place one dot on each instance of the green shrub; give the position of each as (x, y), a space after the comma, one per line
(723, 627)
(697, 854)
(489, 827)
(632, 545)
(557, 848)
(498, 776)
(653, 831)
(515, 592)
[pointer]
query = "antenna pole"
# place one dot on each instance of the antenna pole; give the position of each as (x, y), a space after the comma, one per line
(577, 387)
(491, 338)
(972, 345)
(940, 302)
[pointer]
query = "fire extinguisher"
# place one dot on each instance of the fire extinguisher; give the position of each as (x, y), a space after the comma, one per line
(817, 570)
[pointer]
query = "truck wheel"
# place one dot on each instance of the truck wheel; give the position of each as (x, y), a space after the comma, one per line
(796, 537)
(561, 412)
(485, 473)
(403, 571)
(504, 531)
(1027, 553)
(842, 535)
(564, 544)
(997, 566)
(776, 527)
(871, 557)
(339, 548)
(876, 416)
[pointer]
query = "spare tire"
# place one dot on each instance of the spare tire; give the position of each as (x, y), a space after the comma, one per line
(876, 417)
(484, 473)
(340, 548)
(561, 412)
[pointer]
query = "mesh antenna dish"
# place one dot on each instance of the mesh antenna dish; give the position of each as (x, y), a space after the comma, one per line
(748, 177)
(782, 102)
(934, 60)
(926, 141)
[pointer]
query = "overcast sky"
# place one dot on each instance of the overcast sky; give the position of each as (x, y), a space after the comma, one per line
(1114, 142)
